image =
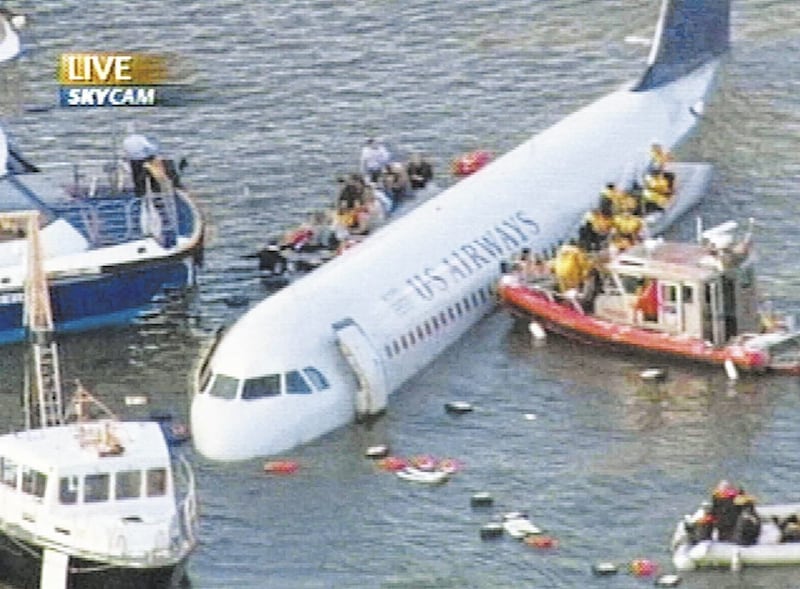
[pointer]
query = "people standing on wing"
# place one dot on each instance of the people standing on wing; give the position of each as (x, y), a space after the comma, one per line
(352, 191)
(596, 227)
(139, 150)
(419, 171)
(374, 158)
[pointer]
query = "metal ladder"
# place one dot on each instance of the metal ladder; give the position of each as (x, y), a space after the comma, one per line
(43, 398)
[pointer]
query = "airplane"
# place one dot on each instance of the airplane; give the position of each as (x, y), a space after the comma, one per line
(333, 345)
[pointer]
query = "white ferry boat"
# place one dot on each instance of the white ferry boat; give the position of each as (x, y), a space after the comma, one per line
(86, 500)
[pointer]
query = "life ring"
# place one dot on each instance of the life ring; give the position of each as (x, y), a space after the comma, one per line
(281, 466)
(470, 162)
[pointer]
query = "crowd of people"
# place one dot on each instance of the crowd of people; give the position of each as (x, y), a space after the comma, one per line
(365, 200)
(617, 222)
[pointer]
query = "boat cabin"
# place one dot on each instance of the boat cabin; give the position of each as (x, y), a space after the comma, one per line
(109, 484)
(704, 290)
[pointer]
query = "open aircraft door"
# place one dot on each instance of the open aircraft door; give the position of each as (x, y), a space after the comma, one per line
(373, 390)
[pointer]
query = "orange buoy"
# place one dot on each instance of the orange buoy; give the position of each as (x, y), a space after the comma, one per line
(281, 466)
(392, 463)
(469, 163)
(541, 541)
(642, 567)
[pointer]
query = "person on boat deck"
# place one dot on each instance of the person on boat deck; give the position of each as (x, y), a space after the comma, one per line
(657, 192)
(571, 266)
(657, 165)
(627, 230)
(748, 523)
(790, 529)
(647, 300)
(620, 200)
(419, 171)
(374, 158)
(724, 510)
(139, 150)
(597, 225)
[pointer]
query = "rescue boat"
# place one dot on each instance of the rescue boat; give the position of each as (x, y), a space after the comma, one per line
(694, 301)
(775, 544)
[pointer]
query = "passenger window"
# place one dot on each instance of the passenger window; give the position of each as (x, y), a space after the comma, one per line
(9, 473)
(224, 387)
(33, 482)
(316, 377)
(95, 488)
(474, 299)
(428, 329)
(156, 482)
(263, 386)
(396, 347)
(435, 323)
(128, 484)
(68, 490)
(387, 349)
(443, 317)
(466, 303)
(458, 309)
(451, 313)
(296, 384)
(411, 338)
(482, 294)
(420, 333)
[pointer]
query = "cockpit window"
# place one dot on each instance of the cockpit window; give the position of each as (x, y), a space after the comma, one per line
(316, 377)
(263, 386)
(224, 387)
(296, 384)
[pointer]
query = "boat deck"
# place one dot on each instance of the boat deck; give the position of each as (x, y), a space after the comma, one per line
(102, 216)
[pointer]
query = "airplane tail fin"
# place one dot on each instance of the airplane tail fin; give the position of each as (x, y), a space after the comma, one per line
(689, 33)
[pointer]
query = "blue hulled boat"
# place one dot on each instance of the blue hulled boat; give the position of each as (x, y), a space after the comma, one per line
(107, 252)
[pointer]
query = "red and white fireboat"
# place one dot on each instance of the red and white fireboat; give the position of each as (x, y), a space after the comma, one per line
(695, 301)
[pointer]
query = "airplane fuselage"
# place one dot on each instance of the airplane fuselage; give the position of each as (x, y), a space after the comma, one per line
(416, 286)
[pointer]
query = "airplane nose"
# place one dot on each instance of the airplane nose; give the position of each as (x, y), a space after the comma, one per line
(214, 430)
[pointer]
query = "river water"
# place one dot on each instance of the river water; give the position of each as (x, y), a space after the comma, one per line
(284, 92)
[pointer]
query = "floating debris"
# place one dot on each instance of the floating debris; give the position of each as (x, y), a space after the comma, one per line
(657, 374)
(458, 407)
(540, 541)
(429, 477)
(642, 567)
(517, 525)
(281, 466)
(605, 568)
(482, 499)
(491, 530)
(668, 581)
(132, 400)
(379, 451)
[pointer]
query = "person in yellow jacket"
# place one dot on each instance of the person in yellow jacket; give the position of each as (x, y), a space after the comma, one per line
(657, 192)
(571, 267)
(620, 200)
(627, 230)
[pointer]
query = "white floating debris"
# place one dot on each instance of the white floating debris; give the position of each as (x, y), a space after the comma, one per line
(519, 526)
(730, 369)
(605, 568)
(430, 477)
(458, 407)
(131, 400)
(668, 581)
(492, 530)
(537, 331)
(653, 374)
(379, 451)
(482, 499)
(530, 416)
